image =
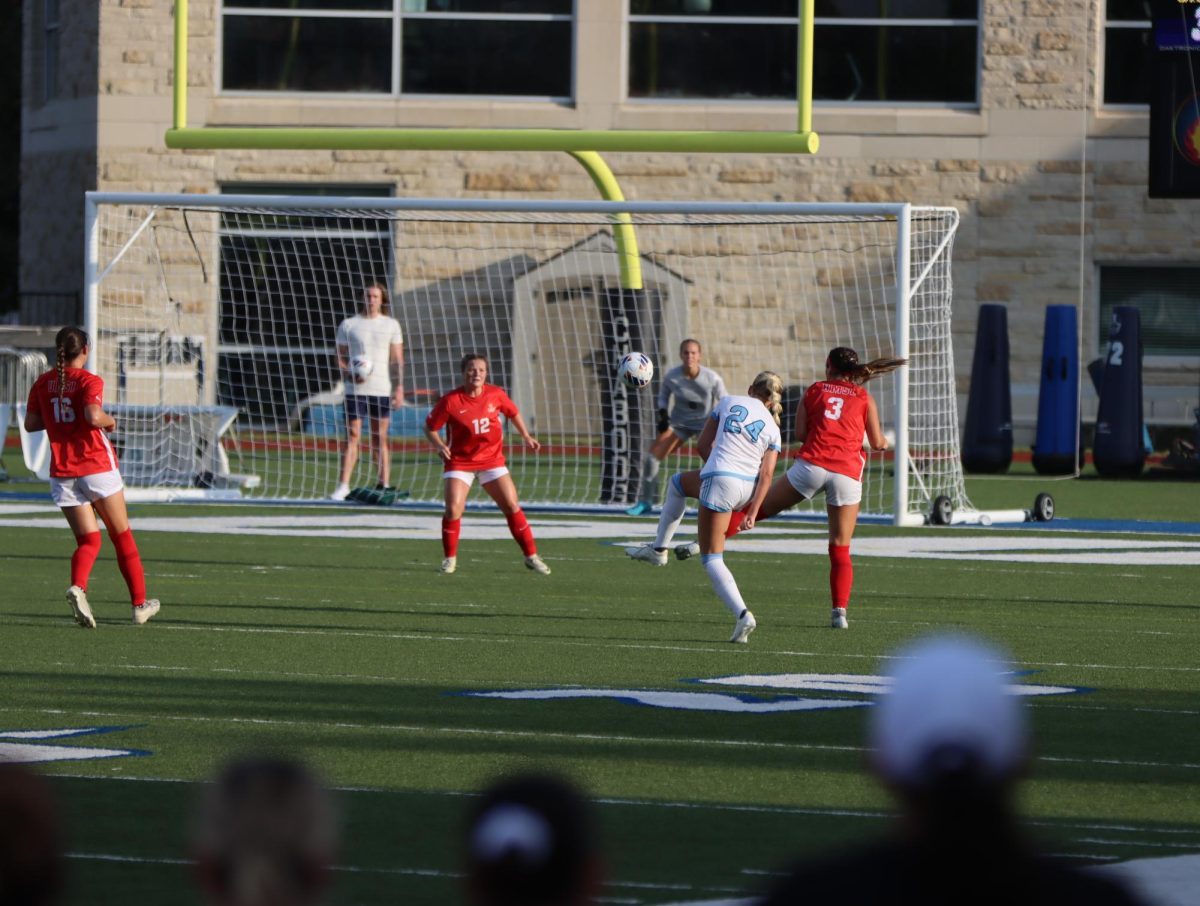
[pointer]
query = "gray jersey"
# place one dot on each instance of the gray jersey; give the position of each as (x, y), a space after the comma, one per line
(689, 400)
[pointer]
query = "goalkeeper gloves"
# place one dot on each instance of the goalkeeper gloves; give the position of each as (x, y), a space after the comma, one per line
(663, 422)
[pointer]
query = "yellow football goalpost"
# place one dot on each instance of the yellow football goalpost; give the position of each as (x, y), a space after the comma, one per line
(582, 144)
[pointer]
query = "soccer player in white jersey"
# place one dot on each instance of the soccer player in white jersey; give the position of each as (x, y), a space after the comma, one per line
(687, 394)
(375, 336)
(740, 444)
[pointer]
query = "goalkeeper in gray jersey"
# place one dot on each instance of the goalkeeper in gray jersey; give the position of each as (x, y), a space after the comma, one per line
(688, 393)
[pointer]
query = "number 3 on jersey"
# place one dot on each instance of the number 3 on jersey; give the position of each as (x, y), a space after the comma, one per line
(834, 412)
(733, 423)
(64, 413)
(481, 425)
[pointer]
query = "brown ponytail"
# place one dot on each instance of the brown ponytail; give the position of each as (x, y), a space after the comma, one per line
(68, 344)
(843, 361)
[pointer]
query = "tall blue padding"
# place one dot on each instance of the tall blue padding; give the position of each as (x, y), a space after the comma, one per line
(987, 437)
(1056, 448)
(1119, 450)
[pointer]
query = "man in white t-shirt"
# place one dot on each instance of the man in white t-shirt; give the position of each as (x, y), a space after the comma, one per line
(370, 352)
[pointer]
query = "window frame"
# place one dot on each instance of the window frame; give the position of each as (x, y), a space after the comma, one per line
(1100, 335)
(631, 19)
(1117, 24)
(396, 15)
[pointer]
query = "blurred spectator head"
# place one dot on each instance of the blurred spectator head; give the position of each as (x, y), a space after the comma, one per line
(951, 715)
(531, 841)
(265, 835)
(31, 847)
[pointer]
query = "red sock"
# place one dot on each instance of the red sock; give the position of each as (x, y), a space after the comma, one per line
(130, 563)
(518, 525)
(87, 549)
(841, 574)
(450, 530)
(735, 523)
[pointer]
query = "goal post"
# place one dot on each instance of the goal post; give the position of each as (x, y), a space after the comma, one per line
(213, 320)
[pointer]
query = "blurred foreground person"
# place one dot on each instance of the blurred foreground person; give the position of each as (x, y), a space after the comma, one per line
(31, 847)
(950, 742)
(531, 841)
(265, 835)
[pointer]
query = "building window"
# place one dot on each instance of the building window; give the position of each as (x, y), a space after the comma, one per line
(1128, 52)
(494, 48)
(917, 51)
(51, 30)
(1168, 301)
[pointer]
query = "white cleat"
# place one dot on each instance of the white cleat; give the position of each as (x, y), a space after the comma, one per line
(647, 554)
(449, 565)
(145, 611)
(687, 551)
(837, 618)
(79, 607)
(745, 625)
(537, 564)
(341, 492)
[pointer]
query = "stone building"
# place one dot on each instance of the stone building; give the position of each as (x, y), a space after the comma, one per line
(1028, 116)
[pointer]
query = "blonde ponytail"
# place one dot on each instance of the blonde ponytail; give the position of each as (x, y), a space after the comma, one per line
(768, 387)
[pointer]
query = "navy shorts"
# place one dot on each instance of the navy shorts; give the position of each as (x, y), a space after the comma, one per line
(368, 407)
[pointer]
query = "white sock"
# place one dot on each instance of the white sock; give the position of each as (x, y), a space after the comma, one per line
(672, 514)
(649, 479)
(723, 583)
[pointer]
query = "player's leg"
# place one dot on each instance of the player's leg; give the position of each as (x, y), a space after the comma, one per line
(82, 520)
(664, 445)
(680, 487)
(842, 520)
(350, 451)
(712, 525)
(381, 448)
(129, 559)
(455, 492)
(781, 496)
(502, 490)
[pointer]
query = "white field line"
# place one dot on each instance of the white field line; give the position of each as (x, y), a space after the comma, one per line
(599, 643)
(603, 738)
(416, 872)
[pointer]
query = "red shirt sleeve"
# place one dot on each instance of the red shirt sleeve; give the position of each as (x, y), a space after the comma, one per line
(436, 419)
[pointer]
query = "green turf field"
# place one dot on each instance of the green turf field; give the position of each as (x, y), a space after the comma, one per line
(326, 632)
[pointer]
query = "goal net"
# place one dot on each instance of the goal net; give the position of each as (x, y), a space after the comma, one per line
(214, 320)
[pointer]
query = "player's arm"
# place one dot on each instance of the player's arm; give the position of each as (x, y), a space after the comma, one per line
(94, 415)
(875, 436)
(519, 423)
(343, 358)
(33, 415)
(766, 469)
(801, 422)
(433, 428)
(708, 436)
(396, 373)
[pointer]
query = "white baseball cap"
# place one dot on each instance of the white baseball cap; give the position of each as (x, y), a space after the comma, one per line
(950, 701)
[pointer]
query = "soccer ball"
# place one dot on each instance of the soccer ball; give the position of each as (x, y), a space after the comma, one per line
(635, 370)
(361, 367)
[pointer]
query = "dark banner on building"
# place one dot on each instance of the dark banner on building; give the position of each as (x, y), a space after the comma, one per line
(624, 411)
(1175, 101)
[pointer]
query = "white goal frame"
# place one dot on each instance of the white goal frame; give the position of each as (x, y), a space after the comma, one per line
(913, 490)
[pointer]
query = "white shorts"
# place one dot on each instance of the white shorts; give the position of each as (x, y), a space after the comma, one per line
(85, 489)
(725, 493)
(486, 476)
(807, 479)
